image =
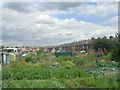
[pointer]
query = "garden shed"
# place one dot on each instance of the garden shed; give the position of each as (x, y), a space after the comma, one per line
(57, 54)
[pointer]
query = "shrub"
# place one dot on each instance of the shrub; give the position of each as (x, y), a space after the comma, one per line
(28, 58)
(107, 57)
(79, 61)
(67, 64)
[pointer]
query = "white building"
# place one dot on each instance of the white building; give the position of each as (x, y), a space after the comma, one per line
(13, 50)
(10, 54)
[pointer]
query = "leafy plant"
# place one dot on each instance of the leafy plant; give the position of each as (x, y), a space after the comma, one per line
(28, 58)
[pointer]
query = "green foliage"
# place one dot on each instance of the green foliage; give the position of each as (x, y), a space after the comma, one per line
(102, 43)
(107, 64)
(118, 37)
(39, 52)
(116, 48)
(29, 58)
(41, 73)
(79, 61)
(116, 53)
(67, 64)
(89, 82)
(112, 45)
(62, 58)
(106, 57)
(37, 73)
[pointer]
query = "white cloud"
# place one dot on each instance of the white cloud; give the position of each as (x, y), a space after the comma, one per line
(112, 21)
(62, 1)
(39, 27)
(104, 32)
(100, 10)
(45, 19)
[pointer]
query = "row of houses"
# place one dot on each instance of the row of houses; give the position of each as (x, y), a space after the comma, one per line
(11, 54)
(84, 45)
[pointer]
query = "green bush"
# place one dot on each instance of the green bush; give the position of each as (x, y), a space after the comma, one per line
(107, 57)
(79, 61)
(28, 58)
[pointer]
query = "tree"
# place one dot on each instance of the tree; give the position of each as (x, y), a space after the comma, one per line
(104, 44)
(116, 49)
(111, 37)
(118, 37)
(28, 58)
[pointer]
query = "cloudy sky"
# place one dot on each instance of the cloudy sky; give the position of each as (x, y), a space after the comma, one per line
(51, 23)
